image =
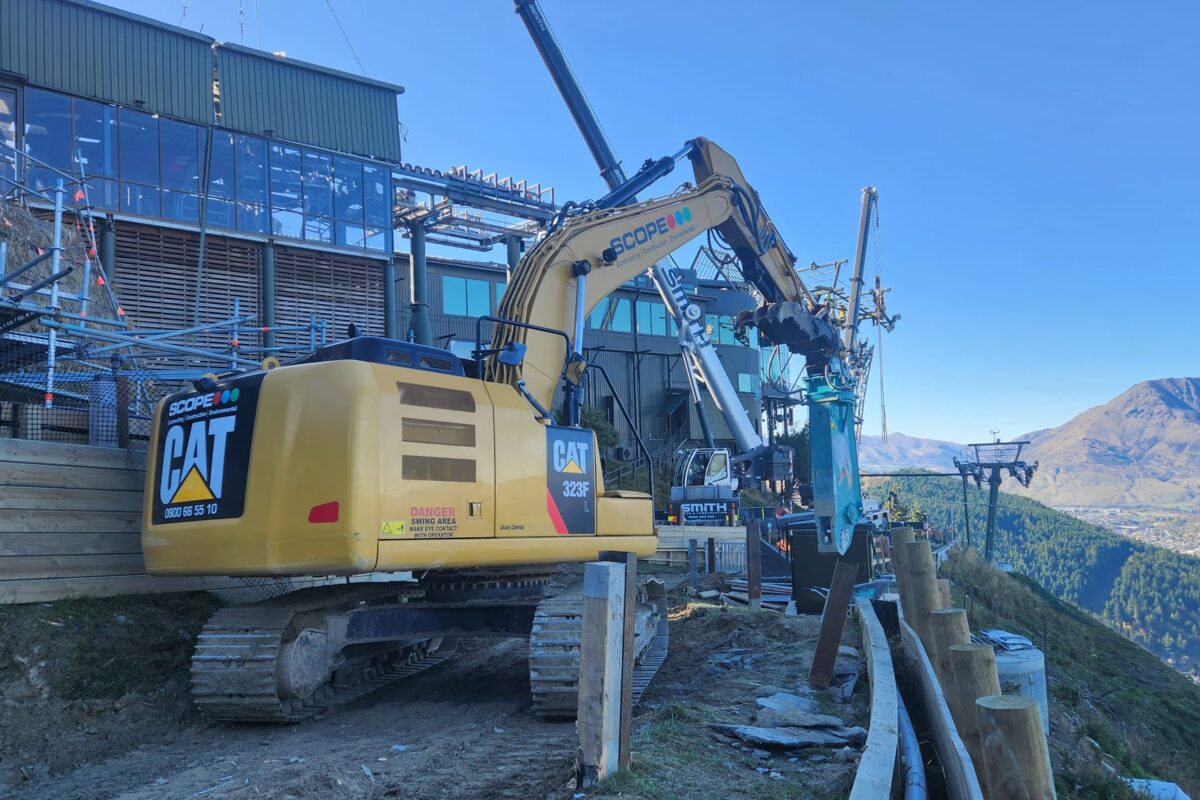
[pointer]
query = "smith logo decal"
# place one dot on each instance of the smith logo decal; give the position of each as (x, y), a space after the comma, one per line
(204, 454)
(570, 489)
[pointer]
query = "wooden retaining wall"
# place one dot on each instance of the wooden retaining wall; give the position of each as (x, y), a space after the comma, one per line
(961, 780)
(70, 522)
(878, 764)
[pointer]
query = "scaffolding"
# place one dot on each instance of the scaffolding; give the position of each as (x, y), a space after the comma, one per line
(72, 367)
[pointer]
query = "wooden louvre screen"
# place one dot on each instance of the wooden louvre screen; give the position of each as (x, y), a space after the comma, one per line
(337, 289)
(156, 281)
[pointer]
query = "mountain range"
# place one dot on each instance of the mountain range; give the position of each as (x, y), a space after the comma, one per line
(1140, 449)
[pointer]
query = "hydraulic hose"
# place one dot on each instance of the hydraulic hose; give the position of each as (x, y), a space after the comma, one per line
(910, 756)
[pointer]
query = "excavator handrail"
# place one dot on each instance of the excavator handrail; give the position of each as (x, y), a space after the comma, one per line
(637, 435)
(529, 325)
(629, 421)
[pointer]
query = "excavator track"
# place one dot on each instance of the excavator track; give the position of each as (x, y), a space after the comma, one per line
(554, 646)
(235, 669)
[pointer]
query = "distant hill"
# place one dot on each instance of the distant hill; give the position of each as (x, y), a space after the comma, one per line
(902, 452)
(1142, 448)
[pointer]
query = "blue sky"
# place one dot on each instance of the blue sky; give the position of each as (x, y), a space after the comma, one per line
(1037, 163)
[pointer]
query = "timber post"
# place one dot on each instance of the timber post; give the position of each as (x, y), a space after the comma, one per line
(1015, 756)
(753, 564)
(972, 675)
(600, 659)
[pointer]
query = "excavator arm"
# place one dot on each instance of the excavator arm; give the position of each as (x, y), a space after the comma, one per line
(592, 252)
(599, 251)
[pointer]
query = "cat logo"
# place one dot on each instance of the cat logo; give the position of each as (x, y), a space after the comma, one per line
(571, 457)
(193, 460)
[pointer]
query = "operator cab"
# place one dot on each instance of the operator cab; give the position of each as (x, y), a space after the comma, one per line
(704, 489)
(393, 352)
(704, 467)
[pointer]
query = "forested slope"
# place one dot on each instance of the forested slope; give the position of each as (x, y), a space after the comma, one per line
(1150, 593)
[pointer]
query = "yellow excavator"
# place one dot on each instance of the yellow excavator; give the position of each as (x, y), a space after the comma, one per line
(376, 455)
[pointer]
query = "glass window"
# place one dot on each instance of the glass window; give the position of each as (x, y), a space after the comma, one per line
(8, 136)
(139, 147)
(720, 328)
(349, 235)
(347, 189)
(287, 223)
(48, 127)
(251, 217)
(454, 295)
(47, 135)
(103, 193)
(180, 166)
(612, 314)
(718, 468)
(748, 382)
(318, 186)
(479, 298)
(466, 297)
(376, 183)
(379, 239)
(250, 159)
(182, 206)
(500, 287)
(653, 319)
(220, 168)
(141, 200)
(318, 229)
(219, 213)
(286, 188)
(96, 138)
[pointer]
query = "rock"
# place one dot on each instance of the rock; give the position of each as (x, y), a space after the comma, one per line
(783, 738)
(709, 594)
(793, 760)
(760, 753)
(777, 776)
(785, 703)
(722, 738)
(854, 735)
(499, 730)
(761, 770)
(770, 718)
(848, 651)
(818, 758)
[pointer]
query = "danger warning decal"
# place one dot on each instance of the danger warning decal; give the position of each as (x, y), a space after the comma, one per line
(204, 453)
(570, 485)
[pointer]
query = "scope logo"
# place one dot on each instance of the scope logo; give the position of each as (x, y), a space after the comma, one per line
(202, 401)
(644, 233)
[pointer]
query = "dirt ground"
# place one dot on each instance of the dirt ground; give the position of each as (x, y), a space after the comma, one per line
(462, 729)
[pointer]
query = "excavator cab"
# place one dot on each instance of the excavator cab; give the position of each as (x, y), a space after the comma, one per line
(704, 491)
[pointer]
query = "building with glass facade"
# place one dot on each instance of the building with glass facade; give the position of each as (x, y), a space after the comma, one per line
(227, 174)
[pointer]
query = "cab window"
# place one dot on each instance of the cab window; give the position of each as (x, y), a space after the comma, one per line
(718, 468)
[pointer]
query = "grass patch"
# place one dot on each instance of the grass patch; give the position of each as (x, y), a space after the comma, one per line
(99, 648)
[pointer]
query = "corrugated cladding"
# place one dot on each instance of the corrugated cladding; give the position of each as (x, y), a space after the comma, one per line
(109, 55)
(308, 104)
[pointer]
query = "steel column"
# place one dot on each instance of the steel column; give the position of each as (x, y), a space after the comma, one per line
(419, 329)
(391, 316)
(267, 303)
(108, 250)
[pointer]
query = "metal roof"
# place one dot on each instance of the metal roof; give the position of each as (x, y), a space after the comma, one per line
(92, 50)
(95, 51)
(291, 99)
